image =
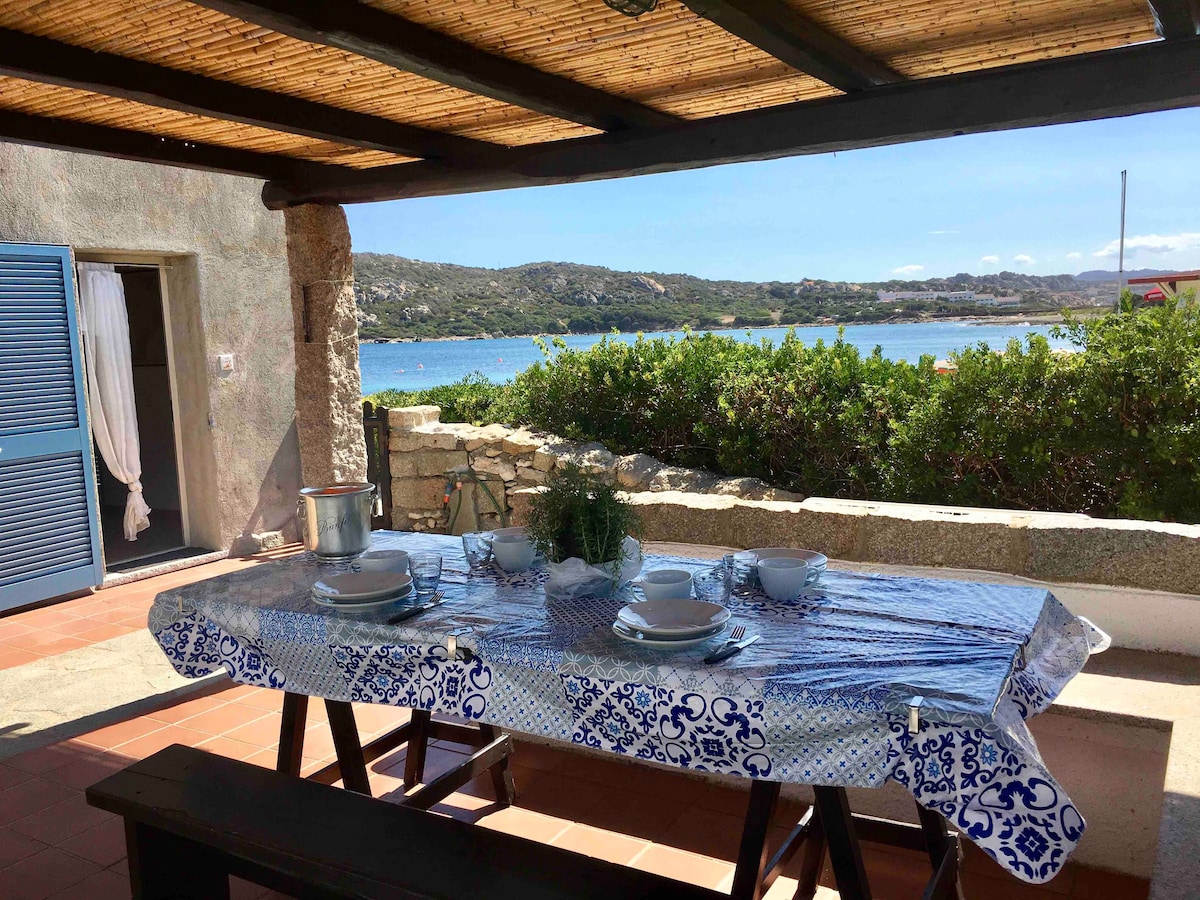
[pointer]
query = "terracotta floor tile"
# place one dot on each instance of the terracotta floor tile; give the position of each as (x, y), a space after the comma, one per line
(48, 616)
(76, 627)
(174, 715)
(30, 797)
(262, 733)
(34, 639)
(1094, 884)
(566, 798)
(682, 866)
(637, 815)
(615, 848)
(56, 823)
(224, 746)
(11, 657)
(265, 758)
(240, 889)
(538, 756)
(10, 776)
(15, 846)
(104, 885)
(43, 875)
(102, 845)
(140, 748)
(119, 733)
(62, 645)
(269, 701)
(104, 632)
(373, 718)
(223, 719)
(705, 832)
(54, 756)
(11, 626)
(525, 823)
(87, 770)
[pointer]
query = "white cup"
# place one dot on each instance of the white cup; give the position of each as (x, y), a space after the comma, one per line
(383, 561)
(513, 553)
(782, 577)
(667, 584)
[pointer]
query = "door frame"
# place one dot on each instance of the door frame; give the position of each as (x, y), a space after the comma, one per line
(162, 263)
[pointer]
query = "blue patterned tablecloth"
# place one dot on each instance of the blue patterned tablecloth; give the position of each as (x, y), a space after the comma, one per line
(820, 699)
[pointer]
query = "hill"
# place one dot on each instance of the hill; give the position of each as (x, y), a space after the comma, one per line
(406, 298)
(1102, 275)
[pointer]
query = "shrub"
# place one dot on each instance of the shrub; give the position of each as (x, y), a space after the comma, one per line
(474, 399)
(1112, 429)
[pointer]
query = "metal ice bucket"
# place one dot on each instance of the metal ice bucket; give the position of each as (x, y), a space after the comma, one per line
(337, 519)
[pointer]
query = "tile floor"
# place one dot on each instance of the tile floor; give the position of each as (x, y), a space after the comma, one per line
(52, 845)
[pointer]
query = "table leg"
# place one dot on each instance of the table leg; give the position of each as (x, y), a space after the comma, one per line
(844, 852)
(418, 739)
(812, 856)
(752, 855)
(939, 842)
(291, 733)
(349, 749)
(502, 779)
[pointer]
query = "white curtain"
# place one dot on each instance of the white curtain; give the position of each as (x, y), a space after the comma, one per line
(109, 366)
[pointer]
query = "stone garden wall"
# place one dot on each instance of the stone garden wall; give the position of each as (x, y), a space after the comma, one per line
(1138, 580)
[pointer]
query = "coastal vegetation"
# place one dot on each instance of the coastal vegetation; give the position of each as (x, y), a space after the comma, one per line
(400, 298)
(1111, 429)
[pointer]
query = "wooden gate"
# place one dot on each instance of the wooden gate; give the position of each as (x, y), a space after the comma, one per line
(379, 469)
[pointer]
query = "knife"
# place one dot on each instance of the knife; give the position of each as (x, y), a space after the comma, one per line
(437, 600)
(730, 650)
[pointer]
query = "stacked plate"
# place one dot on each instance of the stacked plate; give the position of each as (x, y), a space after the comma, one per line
(670, 624)
(361, 590)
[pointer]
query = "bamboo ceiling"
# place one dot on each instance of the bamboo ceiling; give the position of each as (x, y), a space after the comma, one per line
(670, 63)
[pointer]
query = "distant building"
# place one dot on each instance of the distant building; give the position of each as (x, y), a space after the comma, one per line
(1171, 285)
(999, 301)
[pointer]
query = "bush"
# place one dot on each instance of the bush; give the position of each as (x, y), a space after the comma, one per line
(474, 399)
(1112, 429)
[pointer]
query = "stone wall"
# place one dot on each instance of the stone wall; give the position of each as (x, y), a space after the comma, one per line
(1138, 580)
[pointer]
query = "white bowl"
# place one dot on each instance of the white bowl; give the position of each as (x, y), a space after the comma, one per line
(667, 584)
(816, 561)
(514, 555)
(673, 618)
(383, 561)
(782, 577)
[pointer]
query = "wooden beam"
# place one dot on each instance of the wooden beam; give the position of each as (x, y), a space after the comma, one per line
(1176, 19)
(1122, 82)
(100, 140)
(778, 29)
(50, 62)
(405, 45)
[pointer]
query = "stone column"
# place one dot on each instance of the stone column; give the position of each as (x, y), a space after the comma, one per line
(328, 387)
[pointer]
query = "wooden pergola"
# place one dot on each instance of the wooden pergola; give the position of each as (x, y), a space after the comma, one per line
(334, 102)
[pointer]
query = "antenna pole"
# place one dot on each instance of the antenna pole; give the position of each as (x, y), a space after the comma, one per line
(1121, 263)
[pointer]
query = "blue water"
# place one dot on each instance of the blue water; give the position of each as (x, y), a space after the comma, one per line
(413, 366)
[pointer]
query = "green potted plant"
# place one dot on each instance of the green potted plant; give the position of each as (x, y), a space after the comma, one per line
(585, 530)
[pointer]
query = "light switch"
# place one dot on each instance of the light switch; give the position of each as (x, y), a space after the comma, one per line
(225, 362)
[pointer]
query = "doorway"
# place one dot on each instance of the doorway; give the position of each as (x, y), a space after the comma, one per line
(167, 534)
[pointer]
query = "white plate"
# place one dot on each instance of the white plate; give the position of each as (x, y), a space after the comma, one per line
(356, 586)
(816, 561)
(362, 604)
(674, 618)
(620, 631)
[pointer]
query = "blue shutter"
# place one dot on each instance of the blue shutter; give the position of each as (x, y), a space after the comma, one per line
(49, 528)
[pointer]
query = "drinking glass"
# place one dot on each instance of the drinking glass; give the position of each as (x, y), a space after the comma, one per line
(477, 545)
(426, 571)
(712, 587)
(740, 568)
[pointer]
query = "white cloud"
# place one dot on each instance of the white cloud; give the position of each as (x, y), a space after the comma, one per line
(991, 259)
(908, 270)
(946, 231)
(1074, 256)
(1023, 259)
(1152, 244)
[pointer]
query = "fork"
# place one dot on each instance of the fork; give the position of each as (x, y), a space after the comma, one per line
(739, 631)
(435, 600)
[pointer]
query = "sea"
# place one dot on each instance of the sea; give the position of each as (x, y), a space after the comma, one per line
(415, 365)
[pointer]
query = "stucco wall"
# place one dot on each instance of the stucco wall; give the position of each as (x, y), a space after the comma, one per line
(229, 292)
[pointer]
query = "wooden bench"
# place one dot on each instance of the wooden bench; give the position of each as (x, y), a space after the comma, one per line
(192, 819)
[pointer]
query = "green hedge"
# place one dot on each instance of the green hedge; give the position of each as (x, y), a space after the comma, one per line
(1112, 429)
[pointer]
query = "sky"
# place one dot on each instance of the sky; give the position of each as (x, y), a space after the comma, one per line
(1041, 201)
